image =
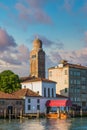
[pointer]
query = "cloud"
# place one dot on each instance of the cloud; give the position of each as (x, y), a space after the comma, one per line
(55, 57)
(16, 60)
(23, 54)
(68, 5)
(49, 43)
(83, 9)
(12, 56)
(75, 57)
(17, 57)
(9, 58)
(6, 40)
(32, 12)
(36, 3)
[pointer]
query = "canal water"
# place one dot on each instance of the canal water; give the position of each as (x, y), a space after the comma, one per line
(44, 124)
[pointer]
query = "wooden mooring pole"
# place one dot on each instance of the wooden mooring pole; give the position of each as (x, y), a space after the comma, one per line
(15, 113)
(4, 113)
(21, 113)
(9, 114)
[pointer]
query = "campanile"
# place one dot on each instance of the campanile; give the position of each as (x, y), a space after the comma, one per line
(37, 60)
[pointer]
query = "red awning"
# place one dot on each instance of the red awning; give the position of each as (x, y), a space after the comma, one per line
(58, 103)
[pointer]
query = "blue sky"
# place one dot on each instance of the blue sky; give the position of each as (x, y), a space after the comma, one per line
(60, 24)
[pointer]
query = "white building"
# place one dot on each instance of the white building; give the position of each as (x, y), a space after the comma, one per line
(44, 87)
(33, 102)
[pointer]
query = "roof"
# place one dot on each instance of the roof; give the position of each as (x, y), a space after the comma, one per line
(6, 96)
(61, 96)
(26, 92)
(20, 94)
(25, 78)
(58, 103)
(77, 66)
(37, 79)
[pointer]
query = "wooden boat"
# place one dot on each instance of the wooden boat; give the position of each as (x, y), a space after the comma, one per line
(63, 116)
(52, 115)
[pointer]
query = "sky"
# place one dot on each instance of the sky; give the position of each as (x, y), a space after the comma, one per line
(60, 24)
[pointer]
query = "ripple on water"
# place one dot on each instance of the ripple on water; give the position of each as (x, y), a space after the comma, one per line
(44, 124)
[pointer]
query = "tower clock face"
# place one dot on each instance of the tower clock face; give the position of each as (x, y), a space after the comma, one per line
(33, 56)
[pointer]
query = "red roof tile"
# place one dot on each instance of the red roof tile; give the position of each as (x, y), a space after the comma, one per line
(25, 92)
(6, 95)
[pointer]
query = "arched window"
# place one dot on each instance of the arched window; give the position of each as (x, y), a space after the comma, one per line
(44, 92)
(52, 92)
(48, 92)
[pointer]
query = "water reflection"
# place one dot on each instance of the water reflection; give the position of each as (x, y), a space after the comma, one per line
(44, 124)
(58, 124)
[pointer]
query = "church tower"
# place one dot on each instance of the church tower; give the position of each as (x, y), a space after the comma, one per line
(37, 60)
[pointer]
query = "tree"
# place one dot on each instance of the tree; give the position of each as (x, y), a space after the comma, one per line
(9, 82)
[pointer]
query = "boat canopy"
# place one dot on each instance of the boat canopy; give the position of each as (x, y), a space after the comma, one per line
(58, 103)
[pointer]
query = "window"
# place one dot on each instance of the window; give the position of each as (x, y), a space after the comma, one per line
(83, 87)
(18, 103)
(29, 107)
(2, 102)
(38, 100)
(74, 81)
(78, 73)
(38, 107)
(44, 92)
(29, 100)
(50, 73)
(78, 81)
(65, 81)
(71, 81)
(33, 56)
(48, 92)
(52, 92)
(75, 74)
(65, 72)
(65, 90)
(71, 72)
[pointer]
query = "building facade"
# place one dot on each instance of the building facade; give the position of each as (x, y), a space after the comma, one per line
(11, 104)
(37, 60)
(44, 87)
(71, 81)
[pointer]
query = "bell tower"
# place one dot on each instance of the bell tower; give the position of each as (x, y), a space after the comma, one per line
(37, 60)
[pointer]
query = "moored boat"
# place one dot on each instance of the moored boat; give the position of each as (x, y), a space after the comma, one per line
(52, 115)
(63, 116)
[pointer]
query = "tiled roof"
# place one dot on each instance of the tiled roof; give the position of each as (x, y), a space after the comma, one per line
(25, 78)
(20, 94)
(78, 66)
(25, 92)
(38, 79)
(6, 96)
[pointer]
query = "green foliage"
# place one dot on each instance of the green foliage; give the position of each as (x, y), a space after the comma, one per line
(9, 82)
